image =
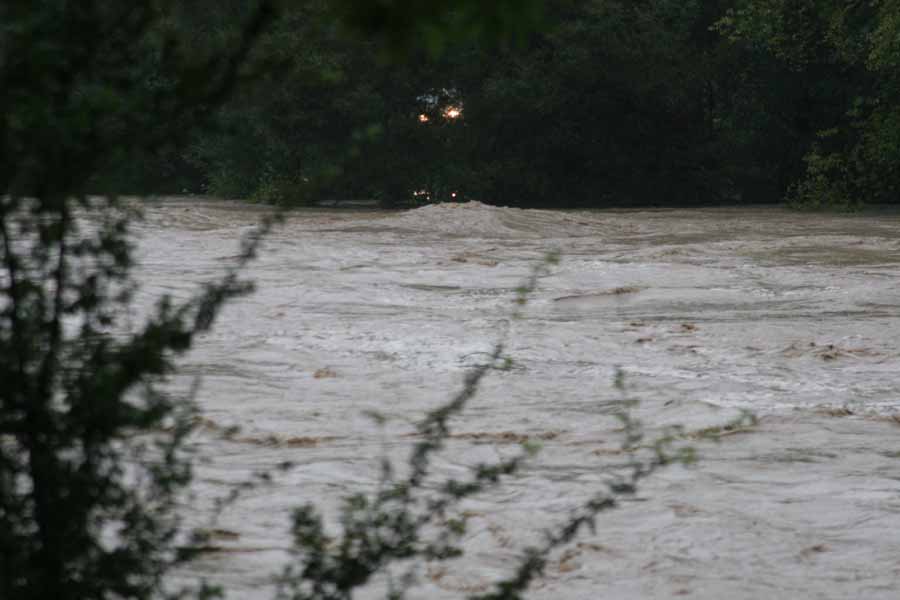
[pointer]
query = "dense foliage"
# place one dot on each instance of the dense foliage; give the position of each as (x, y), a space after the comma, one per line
(842, 58)
(91, 453)
(608, 103)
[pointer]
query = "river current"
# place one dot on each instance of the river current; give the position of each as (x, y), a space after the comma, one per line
(708, 312)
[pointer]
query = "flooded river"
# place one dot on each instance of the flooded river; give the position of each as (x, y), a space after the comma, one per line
(708, 312)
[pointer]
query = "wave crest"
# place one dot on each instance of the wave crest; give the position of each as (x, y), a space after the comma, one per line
(475, 219)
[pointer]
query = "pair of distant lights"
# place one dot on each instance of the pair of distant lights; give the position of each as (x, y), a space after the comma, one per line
(449, 113)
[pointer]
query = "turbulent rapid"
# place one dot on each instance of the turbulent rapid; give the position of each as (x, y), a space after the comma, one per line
(708, 312)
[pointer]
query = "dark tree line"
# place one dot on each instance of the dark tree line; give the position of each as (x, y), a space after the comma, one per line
(607, 103)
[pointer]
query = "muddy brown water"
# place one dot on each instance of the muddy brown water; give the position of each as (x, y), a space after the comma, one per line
(707, 311)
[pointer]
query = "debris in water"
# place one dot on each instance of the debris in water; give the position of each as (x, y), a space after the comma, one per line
(617, 291)
(835, 412)
(813, 550)
(500, 437)
(325, 373)
(474, 259)
(275, 441)
(828, 352)
(218, 534)
(628, 289)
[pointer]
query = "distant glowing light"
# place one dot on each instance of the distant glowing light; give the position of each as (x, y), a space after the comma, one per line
(452, 112)
(423, 118)
(453, 195)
